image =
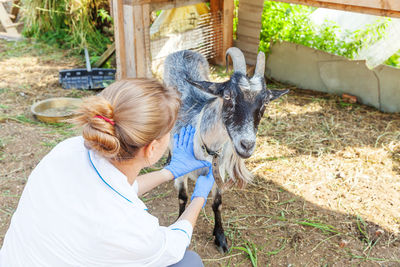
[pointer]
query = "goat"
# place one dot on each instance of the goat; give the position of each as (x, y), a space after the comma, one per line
(226, 117)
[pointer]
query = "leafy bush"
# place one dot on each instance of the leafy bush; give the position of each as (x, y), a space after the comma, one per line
(69, 23)
(291, 23)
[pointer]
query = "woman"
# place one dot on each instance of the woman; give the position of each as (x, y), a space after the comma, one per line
(80, 206)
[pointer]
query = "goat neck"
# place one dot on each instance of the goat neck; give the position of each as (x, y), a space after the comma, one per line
(211, 131)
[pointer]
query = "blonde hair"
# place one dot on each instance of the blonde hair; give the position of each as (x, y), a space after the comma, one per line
(139, 110)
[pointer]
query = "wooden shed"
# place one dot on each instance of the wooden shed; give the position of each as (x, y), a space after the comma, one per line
(132, 25)
(132, 36)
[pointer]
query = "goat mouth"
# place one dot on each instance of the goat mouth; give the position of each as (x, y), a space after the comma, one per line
(243, 156)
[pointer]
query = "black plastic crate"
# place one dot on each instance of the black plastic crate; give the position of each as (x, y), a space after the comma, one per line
(97, 78)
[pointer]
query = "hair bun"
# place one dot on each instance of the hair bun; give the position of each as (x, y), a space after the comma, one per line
(99, 134)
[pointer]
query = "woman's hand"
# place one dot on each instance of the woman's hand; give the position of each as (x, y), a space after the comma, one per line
(203, 186)
(183, 160)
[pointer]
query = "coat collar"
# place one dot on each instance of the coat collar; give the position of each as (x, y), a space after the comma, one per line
(114, 179)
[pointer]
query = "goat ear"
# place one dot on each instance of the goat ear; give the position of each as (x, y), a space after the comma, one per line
(209, 87)
(274, 94)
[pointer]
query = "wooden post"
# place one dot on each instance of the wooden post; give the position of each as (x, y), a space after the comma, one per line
(132, 39)
(248, 28)
(15, 10)
(225, 8)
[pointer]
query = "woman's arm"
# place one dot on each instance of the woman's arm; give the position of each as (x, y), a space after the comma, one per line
(148, 181)
(202, 188)
(193, 210)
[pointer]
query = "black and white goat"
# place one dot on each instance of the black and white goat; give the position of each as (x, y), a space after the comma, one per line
(226, 117)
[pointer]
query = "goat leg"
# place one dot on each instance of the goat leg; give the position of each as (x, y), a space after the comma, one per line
(220, 239)
(183, 197)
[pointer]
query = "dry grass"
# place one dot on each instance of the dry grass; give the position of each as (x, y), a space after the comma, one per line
(339, 156)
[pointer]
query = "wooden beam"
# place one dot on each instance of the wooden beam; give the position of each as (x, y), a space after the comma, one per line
(162, 4)
(8, 25)
(387, 8)
(118, 13)
(105, 56)
(15, 10)
(132, 41)
(225, 10)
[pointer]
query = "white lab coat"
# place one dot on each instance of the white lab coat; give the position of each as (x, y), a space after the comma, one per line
(69, 216)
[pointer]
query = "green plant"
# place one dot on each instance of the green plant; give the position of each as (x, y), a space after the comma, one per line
(251, 250)
(291, 23)
(70, 24)
(325, 228)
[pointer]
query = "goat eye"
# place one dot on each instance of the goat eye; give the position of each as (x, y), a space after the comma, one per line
(227, 97)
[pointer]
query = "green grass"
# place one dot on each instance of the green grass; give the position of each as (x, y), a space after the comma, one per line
(32, 48)
(325, 228)
(250, 249)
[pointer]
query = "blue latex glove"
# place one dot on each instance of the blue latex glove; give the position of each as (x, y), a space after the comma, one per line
(183, 160)
(203, 186)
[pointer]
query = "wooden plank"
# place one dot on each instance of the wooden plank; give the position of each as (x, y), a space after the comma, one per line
(118, 12)
(249, 16)
(146, 34)
(174, 4)
(15, 10)
(227, 30)
(139, 42)
(249, 27)
(105, 56)
(130, 46)
(247, 47)
(388, 9)
(378, 4)
(251, 7)
(7, 36)
(6, 22)
(249, 31)
(249, 40)
(163, 4)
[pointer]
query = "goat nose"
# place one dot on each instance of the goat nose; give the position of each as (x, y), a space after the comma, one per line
(247, 144)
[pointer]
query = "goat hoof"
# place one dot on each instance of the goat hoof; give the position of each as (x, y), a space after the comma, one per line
(221, 242)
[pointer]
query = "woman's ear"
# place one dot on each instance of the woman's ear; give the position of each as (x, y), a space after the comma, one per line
(149, 151)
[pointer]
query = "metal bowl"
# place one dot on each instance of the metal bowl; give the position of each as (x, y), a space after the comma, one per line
(56, 109)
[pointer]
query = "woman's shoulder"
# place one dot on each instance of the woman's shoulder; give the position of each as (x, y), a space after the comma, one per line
(73, 143)
(68, 148)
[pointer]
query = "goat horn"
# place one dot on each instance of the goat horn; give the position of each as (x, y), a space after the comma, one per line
(239, 63)
(260, 65)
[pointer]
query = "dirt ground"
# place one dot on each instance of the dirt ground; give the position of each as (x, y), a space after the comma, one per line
(327, 173)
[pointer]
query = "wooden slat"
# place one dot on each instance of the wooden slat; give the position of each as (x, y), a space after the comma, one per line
(227, 30)
(162, 4)
(248, 29)
(130, 46)
(105, 56)
(118, 12)
(139, 41)
(146, 34)
(6, 22)
(15, 10)
(378, 4)
(388, 8)
(174, 4)
(249, 16)
(246, 46)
